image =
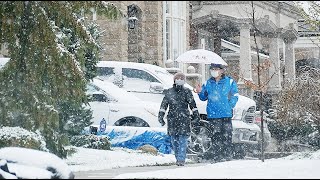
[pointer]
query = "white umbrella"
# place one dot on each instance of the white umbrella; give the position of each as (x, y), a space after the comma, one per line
(200, 56)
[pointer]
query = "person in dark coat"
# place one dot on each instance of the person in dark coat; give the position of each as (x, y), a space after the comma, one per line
(179, 99)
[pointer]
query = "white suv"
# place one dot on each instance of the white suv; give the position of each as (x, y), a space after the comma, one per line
(148, 82)
(118, 107)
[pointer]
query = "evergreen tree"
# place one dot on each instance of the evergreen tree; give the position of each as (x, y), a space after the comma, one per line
(73, 115)
(42, 74)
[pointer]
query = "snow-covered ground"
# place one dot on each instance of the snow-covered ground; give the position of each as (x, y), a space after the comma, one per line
(86, 159)
(300, 165)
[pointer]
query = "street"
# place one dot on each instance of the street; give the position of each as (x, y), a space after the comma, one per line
(111, 173)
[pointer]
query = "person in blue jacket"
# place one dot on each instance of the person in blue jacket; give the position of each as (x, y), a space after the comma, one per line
(221, 93)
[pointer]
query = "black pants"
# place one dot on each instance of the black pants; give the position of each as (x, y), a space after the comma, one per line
(222, 139)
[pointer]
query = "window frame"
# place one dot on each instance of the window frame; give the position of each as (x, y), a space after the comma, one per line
(170, 27)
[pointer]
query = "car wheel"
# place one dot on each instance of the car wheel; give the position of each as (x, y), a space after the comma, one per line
(199, 141)
(133, 121)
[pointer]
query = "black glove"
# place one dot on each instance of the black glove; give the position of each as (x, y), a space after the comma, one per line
(195, 119)
(195, 116)
(195, 123)
(162, 122)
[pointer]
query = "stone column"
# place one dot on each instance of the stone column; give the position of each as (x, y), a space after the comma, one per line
(274, 70)
(289, 58)
(245, 60)
(245, 49)
(289, 36)
(216, 38)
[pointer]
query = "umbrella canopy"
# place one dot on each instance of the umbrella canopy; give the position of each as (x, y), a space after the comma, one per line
(200, 56)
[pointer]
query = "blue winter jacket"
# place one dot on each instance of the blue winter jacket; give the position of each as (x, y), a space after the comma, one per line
(222, 97)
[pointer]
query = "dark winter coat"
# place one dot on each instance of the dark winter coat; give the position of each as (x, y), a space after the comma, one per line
(179, 99)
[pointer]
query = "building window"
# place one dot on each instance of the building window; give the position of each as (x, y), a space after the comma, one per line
(175, 27)
(168, 47)
(167, 6)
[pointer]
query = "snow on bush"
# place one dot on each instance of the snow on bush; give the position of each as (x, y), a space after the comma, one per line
(19, 137)
(91, 141)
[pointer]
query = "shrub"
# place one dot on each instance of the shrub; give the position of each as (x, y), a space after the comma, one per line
(19, 137)
(297, 117)
(91, 141)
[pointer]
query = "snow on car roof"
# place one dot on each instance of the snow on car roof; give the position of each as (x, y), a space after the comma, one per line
(150, 67)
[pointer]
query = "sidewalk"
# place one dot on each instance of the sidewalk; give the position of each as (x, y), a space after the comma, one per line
(111, 173)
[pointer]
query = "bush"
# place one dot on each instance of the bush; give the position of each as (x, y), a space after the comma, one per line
(314, 139)
(19, 137)
(91, 141)
(297, 118)
(287, 134)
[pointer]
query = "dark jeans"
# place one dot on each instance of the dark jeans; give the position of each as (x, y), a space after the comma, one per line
(222, 139)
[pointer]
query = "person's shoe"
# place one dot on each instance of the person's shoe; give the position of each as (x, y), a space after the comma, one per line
(180, 163)
(228, 158)
(216, 160)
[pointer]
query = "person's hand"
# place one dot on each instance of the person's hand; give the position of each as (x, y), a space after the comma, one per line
(196, 128)
(195, 123)
(197, 89)
(162, 122)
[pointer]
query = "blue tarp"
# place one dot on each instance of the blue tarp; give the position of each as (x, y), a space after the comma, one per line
(134, 137)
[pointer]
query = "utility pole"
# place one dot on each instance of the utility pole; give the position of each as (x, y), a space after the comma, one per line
(259, 82)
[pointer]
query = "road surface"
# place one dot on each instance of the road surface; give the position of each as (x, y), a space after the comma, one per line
(111, 173)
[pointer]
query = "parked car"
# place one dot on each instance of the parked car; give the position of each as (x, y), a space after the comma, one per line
(118, 107)
(149, 82)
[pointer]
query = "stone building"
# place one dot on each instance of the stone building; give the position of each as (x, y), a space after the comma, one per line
(166, 29)
(160, 31)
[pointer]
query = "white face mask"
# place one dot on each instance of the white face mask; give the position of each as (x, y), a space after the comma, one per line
(179, 82)
(214, 73)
